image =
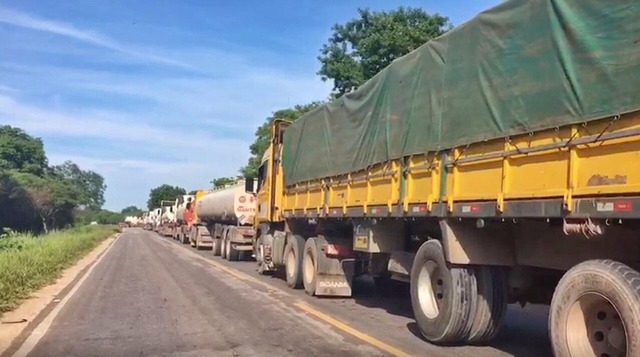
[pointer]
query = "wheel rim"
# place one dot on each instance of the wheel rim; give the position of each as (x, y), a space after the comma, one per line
(430, 289)
(290, 263)
(309, 269)
(594, 328)
(228, 250)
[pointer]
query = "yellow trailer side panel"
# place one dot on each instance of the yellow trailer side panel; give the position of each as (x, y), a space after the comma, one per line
(597, 159)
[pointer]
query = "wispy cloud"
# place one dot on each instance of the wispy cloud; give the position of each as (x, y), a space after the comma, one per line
(7, 89)
(102, 125)
(27, 21)
(141, 126)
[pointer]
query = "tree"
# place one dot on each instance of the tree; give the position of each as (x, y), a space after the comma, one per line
(88, 215)
(131, 211)
(21, 152)
(164, 193)
(16, 211)
(89, 184)
(50, 198)
(263, 135)
(222, 181)
(362, 47)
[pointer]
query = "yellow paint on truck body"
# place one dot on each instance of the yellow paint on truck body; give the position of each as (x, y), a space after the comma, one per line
(591, 160)
(270, 178)
(199, 194)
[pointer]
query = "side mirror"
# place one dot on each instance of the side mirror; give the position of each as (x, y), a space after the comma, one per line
(249, 184)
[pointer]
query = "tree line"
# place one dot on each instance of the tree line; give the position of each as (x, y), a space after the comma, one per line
(38, 197)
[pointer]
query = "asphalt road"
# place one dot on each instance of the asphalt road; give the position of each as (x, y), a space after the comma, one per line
(151, 296)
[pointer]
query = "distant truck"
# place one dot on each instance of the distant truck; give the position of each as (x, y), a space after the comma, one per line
(496, 164)
(167, 221)
(156, 219)
(182, 205)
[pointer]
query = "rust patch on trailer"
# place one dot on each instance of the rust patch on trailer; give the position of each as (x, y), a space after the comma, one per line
(600, 180)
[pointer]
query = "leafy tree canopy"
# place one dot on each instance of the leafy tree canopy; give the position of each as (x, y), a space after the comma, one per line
(162, 193)
(21, 152)
(131, 211)
(89, 184)
(263, 135)
(88, 215)
(362, 47)
(222, 181)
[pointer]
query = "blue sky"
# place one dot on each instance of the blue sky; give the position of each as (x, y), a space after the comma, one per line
(152, 92)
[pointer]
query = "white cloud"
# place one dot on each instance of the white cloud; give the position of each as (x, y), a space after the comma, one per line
(129, 181)
(112, 126)
(23, 20)
(188, 159)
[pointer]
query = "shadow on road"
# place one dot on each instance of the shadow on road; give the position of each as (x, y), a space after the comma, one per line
(393, 297)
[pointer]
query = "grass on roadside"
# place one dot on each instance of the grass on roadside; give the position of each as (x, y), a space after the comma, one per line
(28, 263)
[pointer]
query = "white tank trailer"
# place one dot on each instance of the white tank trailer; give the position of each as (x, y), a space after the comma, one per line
(225, 221)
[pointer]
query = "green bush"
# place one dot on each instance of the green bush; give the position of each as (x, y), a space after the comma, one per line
(28, 263)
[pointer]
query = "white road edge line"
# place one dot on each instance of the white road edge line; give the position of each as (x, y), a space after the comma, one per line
(36, 335)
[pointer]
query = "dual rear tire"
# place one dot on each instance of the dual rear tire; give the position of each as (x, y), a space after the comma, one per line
(310, 266)
(455, 305)
(293, 256)
(227, 251)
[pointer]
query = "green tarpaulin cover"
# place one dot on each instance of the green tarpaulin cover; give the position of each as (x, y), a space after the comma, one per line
(522, 66)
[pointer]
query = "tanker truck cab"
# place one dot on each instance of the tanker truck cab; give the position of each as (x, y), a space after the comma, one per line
(182, 204)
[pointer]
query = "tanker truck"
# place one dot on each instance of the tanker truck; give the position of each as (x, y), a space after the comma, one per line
(131, 221)
(223, 221)
(495, 164)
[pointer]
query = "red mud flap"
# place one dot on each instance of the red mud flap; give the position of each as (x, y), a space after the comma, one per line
(334, 277)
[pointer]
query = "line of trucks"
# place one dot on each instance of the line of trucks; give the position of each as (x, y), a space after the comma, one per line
(524, 187)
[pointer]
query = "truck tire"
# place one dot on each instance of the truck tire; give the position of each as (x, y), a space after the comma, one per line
(263, 268)
(595, 311)
(491, 304)
(310, 266)
(223, 245)
(216, 246)
(442, 297)
(293, 261)
(233, 255)
(198, 235)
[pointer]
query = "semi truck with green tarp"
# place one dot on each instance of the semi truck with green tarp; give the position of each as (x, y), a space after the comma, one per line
(495, 164)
